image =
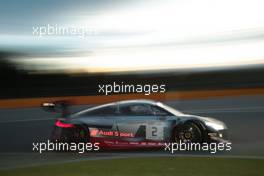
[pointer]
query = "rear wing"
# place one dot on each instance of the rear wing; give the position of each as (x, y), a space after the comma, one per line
(61, 106)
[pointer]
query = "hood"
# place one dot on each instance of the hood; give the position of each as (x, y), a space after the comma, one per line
(208, 121)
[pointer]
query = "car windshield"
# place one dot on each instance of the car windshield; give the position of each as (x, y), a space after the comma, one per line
(170, 109)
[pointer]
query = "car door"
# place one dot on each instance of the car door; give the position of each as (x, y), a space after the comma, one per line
(138, 121)
(163, 125)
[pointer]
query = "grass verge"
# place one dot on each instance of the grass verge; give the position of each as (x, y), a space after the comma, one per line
(180, 166)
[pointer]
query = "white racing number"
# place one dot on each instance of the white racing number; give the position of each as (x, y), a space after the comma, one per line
(154, 132)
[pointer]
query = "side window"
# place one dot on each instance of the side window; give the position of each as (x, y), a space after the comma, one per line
(104, 111)
(136, 110)
(158, 111)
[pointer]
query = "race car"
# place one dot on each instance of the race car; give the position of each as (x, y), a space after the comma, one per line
(133, 124)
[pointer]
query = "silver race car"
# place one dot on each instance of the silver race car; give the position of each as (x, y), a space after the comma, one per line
(135, 124)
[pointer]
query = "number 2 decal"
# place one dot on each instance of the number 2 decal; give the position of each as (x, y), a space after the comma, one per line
(154, 132)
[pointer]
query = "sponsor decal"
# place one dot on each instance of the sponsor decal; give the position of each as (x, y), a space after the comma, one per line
(96, 132)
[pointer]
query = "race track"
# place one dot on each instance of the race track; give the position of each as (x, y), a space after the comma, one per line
(244, 116)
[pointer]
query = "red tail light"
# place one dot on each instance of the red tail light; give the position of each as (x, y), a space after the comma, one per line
(61, 124)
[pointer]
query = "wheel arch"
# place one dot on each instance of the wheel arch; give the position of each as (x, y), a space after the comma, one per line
(201, 126)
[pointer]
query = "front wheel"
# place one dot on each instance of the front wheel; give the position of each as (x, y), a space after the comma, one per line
(188, 132)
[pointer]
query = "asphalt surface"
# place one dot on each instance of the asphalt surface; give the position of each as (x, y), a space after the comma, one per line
(19, 128)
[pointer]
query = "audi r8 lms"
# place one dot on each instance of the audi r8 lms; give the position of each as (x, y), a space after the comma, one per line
(136, 124)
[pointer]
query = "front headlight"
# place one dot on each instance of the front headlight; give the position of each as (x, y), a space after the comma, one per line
(215, 126)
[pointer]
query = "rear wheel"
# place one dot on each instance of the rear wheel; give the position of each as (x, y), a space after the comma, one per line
(188, 132)
(77, 134)
(81, 134)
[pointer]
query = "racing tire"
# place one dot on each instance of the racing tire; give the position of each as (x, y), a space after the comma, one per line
(188, 132)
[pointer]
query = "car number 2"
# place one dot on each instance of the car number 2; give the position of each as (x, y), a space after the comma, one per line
(154, 132)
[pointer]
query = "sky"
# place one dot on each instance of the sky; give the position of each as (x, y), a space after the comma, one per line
(124, 35)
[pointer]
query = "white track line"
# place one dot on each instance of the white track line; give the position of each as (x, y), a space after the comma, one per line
(228, 110)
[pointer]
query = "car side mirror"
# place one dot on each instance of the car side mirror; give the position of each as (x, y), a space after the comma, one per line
(160, 113)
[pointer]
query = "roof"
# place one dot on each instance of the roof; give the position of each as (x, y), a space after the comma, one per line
(137, 101)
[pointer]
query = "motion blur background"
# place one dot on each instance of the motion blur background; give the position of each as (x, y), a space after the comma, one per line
(208, 53)
(185, 44)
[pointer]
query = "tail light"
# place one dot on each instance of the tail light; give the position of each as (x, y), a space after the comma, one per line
(61, 124)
